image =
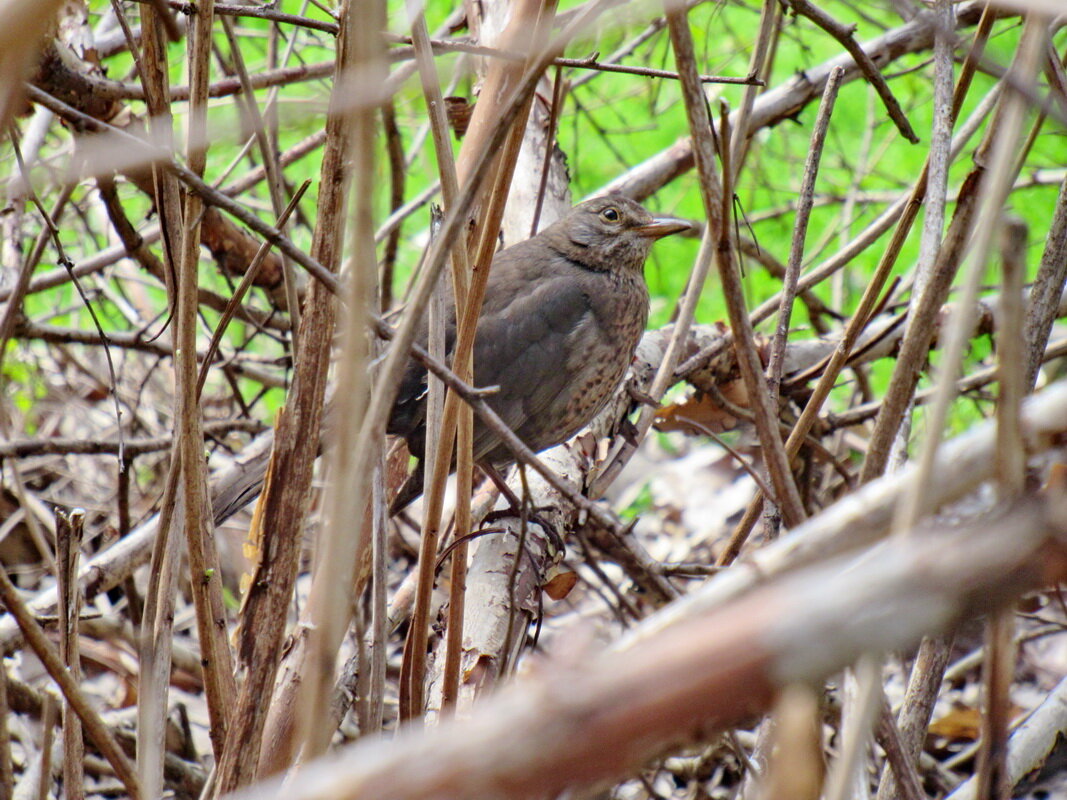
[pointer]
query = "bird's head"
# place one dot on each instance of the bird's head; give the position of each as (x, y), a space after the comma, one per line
(611, 232)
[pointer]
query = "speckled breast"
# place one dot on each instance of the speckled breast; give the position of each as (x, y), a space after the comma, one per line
(598, 356)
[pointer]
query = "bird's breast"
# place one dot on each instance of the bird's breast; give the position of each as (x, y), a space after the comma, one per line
(602, 349)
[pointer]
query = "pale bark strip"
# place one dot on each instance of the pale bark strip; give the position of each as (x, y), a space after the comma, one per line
(503, 599)
(938, 161)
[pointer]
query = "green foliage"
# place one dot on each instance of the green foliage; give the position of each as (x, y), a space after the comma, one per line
(641, 504)
(23, 385)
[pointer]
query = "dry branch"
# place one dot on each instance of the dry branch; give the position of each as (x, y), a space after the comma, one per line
(567, 727)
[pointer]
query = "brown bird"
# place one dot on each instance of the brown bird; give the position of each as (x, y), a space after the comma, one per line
(562, 316)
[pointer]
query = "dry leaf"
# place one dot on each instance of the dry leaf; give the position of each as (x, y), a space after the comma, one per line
(700, 413)
(560, 582)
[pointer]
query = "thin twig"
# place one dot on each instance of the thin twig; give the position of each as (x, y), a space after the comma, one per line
(272, 167)
(95, 728)
(800, 230)
(843, 34)
(591, 62)
(759, 66)
(242, 288)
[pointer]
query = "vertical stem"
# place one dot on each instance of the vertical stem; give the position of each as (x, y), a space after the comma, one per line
(394, 148)
(940, 144)
(463, 416)
(205, 577)
(375, 683)
(800, 230)
(1047, 288)
(154, 651)
(503, 77)
(759, 67)
(296, 445)
(68, 546)
(843, 772)
(48, 724)
(993, 780)
(992, 195)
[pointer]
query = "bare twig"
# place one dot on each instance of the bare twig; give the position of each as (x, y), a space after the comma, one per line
(800, 230)
(7, 773)
(95, 729)
(843, 34)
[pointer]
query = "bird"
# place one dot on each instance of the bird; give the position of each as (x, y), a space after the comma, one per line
(562, 315)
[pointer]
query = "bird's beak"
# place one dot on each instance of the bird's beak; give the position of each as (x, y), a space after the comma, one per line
(662, 226)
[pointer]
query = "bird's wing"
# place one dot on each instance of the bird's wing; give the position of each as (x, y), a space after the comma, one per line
(524, 344)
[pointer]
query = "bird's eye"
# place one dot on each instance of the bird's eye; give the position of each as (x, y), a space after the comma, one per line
(611, 214)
